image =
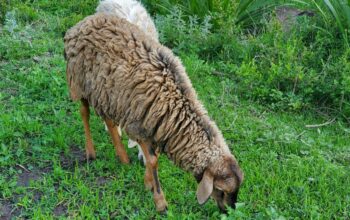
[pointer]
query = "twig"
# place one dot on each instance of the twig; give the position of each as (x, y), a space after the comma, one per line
(305, 143)
(335, 111)
(320, 125)
(295, 84)
(21, 166)
(262, 114)
(217, 73)
(299, 135)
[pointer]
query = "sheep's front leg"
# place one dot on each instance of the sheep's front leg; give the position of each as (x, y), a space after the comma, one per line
(116, 139)
(151, 176)
(85, 115)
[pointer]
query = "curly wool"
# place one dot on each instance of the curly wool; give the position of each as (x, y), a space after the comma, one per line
(135, 13)
(143, 87)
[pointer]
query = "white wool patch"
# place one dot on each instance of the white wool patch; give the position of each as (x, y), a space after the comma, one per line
(132, 11)
(132, 143)
(119, 131)
(141, 155)
(121, 8)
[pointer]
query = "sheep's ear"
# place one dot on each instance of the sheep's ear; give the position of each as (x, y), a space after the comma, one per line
(238, 172)
(205, 188)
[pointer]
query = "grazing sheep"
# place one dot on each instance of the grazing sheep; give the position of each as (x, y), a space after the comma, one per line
(135, 13)
(133, 81)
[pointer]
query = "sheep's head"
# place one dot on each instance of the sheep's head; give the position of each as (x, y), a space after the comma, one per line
(221, 180)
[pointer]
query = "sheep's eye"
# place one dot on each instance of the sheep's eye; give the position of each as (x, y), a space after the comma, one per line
(223, 176)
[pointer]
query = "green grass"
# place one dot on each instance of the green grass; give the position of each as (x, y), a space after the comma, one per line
(290, 171)
(334, 12)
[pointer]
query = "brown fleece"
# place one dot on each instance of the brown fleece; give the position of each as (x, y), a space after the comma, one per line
(143, 87)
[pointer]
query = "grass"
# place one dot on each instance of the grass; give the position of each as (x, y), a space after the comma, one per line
(243, 13)
(291, 172)
(333, 12)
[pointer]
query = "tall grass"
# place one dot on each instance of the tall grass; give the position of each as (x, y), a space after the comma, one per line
(201, 8)
(250, 12)
(240, 12)
(335, 12)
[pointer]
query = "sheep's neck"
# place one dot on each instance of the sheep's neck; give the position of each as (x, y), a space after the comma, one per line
(195, 155)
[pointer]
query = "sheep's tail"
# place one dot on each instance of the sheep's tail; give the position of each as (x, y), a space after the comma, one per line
(132, 143)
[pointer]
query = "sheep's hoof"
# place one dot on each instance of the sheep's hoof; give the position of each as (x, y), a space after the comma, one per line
(164, 212)
(162, 207)
(90, 157)
(124, 160)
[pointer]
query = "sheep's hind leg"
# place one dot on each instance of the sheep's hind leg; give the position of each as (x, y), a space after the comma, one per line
(116, 139)
(85, 115)
(151, 176)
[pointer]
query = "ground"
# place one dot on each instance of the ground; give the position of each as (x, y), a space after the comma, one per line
(291, 171)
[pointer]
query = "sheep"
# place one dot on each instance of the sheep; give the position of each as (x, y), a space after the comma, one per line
(135, 13)
(134, 82)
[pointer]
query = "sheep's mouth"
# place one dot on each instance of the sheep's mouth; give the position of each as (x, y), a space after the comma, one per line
(225, 200)
(231, 199)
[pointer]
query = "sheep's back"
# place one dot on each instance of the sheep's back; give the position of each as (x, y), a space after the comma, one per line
(114, 66)
(141, 86)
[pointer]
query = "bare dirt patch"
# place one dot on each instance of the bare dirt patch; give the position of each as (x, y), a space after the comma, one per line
(60, 210)
(7, 210)
(76, 155)
(102, 180)
(37, 195)
(25, 177)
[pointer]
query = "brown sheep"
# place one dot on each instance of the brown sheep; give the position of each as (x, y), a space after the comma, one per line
(134, 82)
